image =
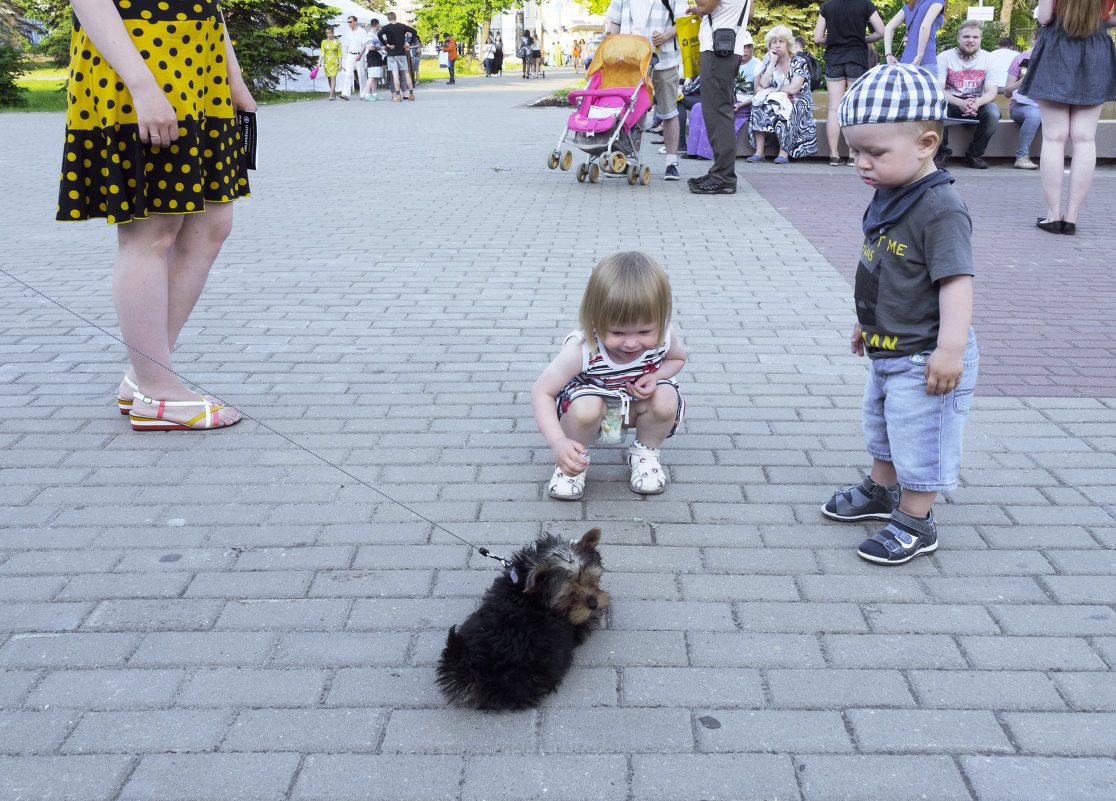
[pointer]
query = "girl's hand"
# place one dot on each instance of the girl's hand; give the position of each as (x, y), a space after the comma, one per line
(572, 457)
(643, 387)
(943, 372)
(893, 60)
(856, 341)
(156, 118)
(241, 97)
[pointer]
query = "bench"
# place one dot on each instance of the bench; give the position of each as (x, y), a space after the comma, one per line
(1002, 145)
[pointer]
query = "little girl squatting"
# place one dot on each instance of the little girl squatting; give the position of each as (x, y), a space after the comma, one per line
(616, 372)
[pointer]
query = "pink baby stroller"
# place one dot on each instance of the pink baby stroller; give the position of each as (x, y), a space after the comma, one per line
(608, 109)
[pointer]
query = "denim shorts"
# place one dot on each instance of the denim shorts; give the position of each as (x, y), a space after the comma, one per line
(919, 433)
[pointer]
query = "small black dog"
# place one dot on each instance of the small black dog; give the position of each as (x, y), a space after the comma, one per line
(518, 645)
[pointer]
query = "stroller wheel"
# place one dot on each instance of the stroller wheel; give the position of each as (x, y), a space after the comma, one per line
(552, 161)
(645, 178)
(619, 162)
(594, 174)
(582, 173)
(633, 175)
(567, 160)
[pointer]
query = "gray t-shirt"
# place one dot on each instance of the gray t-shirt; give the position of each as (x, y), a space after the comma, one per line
(896, 281)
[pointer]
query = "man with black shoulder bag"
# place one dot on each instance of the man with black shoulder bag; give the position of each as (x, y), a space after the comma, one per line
(721, 46)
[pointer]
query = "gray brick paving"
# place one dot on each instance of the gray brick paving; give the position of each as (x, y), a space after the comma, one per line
(233, 599)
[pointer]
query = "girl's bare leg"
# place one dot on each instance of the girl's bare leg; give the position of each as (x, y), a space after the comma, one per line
(583, 419)
(1083, 154)
(654, 417)
(1055, 131)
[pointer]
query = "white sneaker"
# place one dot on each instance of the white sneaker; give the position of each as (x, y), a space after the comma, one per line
(648, 477)
(566, 488)
(1025, 163)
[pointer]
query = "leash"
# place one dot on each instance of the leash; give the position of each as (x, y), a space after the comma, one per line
(203, 391)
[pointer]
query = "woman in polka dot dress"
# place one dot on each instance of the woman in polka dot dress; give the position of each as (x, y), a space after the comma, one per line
(152, 145)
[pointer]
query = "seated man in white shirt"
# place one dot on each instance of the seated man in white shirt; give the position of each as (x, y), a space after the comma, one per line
(970, 93)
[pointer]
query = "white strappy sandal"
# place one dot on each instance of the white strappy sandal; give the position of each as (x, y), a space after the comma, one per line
(209, 418)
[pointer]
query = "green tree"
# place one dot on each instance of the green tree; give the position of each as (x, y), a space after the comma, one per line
(12, 61)
(268, 35)
(11, 68)
(463, 19)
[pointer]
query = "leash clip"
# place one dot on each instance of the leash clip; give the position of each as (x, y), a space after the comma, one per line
(485, 552)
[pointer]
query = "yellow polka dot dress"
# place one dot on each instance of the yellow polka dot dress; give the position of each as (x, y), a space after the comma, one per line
(106, 171)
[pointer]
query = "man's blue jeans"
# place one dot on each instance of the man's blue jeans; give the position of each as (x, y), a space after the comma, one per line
(1029, 120)
(988, 117)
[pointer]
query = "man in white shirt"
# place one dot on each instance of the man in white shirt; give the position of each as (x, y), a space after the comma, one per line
(970, 92)
(1000, 59)
(352, 50)
(718, 90)
(654, 21)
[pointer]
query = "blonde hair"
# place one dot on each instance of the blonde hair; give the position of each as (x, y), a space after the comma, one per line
(626, 288)
(1080, 17)
(779, 32)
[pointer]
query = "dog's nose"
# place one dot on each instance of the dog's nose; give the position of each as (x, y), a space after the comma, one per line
(592, 602)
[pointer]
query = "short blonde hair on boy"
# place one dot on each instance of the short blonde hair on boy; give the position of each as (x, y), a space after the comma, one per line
(780, 32)
(626, 288)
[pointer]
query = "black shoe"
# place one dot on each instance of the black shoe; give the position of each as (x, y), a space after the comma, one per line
(976, 162)
(672, 173)
(901, 540)
(1068, 228)
(866, 501)
(1051, 226)
(711, 186)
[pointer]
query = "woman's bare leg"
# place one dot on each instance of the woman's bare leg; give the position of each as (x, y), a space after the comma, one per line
(161, 268)
(836, 90)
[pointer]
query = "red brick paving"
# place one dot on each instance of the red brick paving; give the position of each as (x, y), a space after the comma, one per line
(1045, 304)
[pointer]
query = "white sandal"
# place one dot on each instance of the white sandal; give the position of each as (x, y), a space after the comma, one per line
(648, 477)
(209, 418)
(566, 488)
(124, 400)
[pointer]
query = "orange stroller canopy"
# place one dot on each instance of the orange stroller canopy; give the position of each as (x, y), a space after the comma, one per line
(622, 60)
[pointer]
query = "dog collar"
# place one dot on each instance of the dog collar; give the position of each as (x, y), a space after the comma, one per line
(513, 575)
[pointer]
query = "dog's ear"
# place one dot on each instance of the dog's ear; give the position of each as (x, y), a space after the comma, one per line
(590, 540)
(535, 578)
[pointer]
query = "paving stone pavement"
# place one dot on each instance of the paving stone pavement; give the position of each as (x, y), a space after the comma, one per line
(235, 616)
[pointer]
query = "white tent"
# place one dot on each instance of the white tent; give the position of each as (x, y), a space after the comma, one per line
(351, 9)
(301, 82)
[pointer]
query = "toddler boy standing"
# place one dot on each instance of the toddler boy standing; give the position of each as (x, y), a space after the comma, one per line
(914, 303)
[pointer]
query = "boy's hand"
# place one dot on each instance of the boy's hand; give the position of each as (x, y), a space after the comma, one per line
(572, 457)
(643, 387)
(943, 372)
(856, 342)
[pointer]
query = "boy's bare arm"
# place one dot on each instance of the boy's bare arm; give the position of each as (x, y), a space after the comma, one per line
(955, 304)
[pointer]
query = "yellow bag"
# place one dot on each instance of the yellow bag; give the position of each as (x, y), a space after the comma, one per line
(687, 32)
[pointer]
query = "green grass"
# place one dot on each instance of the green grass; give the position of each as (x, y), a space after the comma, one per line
(47, 93)
(42, 95)
(282, 96)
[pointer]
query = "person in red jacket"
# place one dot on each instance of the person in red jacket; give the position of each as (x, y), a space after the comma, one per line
(450, 48)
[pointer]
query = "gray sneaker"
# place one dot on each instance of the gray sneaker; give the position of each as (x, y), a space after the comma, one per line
(867, 501)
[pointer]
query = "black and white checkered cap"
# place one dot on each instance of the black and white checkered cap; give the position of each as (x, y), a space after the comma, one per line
(893, 93)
